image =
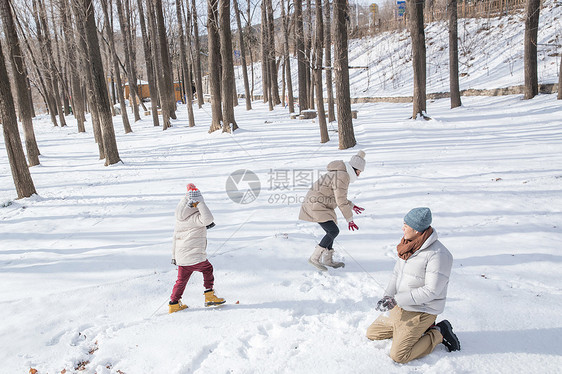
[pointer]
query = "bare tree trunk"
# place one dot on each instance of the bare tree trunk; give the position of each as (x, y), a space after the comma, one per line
(132, 38)
(214, 64)
(83, 58)
(70, 46)
(308, 53)
(197, 64)
(301, 57)
(101, 98)
(243, 56)
(167, 91)
(190, 62)
(48, 53)
(29, 93)
(341, 66)
(184, 65)
(249, 30)
(47, 84)
(287, 64)
(559, 97)
(229, 122)
(20, 171)
(265, 56)
(453, 55)
(418, 57)
(113, 53)
(274, 84)
(328, 63)
(61, 71)
(148, 60)
(131, 76)
(324, 137)
(157, 58)
(20, 80)
(530, 58)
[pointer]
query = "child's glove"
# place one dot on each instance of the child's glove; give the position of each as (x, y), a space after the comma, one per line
(352, 226)
(193, 195)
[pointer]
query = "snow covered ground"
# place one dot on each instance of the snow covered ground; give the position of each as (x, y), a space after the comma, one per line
(85, 265)
(85, 269)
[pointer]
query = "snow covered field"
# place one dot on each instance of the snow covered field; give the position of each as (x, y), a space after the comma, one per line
(85, 266)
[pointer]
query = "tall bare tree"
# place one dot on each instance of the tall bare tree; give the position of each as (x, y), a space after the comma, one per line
(20, 171)
(272, 59)
(149, 62)
(287, 64)
(101, 98)
(530, 54)
(341, 66)
(85, 67)
(114, 59)
(318, 46)
(301, 57)
(197, 55)
(19, 72)
(560, 83)
(229, 122)
(45, 72)
(129, 63)
(153, 37)
(308, 30)
(453, 55)
(50, 61)
(328, 63)
(417, 33)
(185, 66)
(167, 95)
(243, 56)
(214, 63)
(265, 65)
(78, 108)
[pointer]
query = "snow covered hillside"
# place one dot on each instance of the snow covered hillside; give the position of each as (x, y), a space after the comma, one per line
(490, 56)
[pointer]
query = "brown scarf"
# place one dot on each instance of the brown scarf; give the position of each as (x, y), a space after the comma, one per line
(406, 248)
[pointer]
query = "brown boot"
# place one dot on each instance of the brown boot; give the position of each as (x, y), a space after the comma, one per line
(176, 307)
(211, 299)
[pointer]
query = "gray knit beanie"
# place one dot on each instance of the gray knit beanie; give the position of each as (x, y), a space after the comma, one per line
(418, 218)
(358, 161)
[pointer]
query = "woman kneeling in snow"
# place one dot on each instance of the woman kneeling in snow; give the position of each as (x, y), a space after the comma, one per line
(193, 218)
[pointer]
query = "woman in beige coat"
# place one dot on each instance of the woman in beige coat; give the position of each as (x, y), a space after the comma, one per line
(327, 193)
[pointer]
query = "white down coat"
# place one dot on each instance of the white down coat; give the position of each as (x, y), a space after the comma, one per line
(190, 234)
(419, 284)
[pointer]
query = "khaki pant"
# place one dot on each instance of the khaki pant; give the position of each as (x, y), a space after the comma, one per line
(407, 330)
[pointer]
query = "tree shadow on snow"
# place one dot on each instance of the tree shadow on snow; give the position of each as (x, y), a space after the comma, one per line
(532, 341)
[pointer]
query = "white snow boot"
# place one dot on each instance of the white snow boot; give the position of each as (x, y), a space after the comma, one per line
(328, 261)
(315, 258)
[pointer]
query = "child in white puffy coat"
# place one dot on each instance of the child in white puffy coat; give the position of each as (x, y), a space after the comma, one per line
(189, 249)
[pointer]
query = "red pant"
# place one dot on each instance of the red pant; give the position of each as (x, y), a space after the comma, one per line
(184, 273)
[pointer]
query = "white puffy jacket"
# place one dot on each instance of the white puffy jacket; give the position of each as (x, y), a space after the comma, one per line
(419, 284)
(190, 234)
